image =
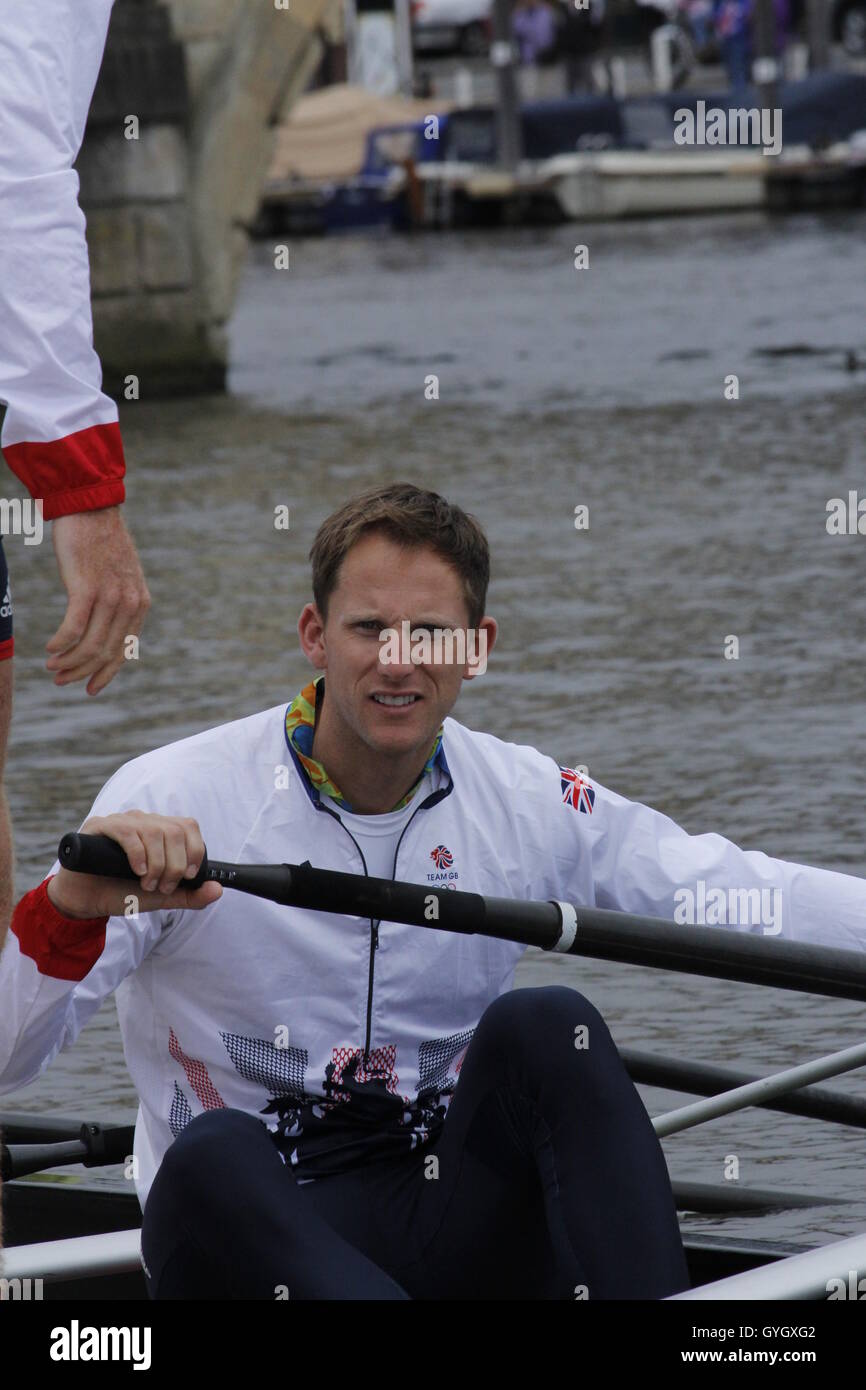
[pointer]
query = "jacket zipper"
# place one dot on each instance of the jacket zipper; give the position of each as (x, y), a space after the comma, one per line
(374, 946)
(374, 925)
(375, 940)
(374, 934)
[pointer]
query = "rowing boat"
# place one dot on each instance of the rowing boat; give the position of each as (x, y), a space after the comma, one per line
(82, 1240)
(36, 1210)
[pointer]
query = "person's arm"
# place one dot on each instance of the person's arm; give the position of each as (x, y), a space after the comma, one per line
(108, 598)
(6, 852)
(75, 937)
(60, 435)
(641, 861)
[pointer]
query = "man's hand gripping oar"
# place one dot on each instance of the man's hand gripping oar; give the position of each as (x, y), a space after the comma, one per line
(165, 852)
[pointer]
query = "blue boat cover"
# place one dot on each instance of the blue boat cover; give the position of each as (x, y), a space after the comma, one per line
(818, 110)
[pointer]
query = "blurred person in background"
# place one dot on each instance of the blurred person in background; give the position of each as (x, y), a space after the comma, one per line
(734, 26)
(732, 21)
(580, 39)
(533, 26)
(783, 18)
(698, 15)
(60, 433)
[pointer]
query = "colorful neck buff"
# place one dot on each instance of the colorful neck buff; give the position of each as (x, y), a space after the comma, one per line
(301, 726)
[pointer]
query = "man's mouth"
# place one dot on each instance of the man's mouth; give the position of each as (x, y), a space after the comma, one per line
(396, 701)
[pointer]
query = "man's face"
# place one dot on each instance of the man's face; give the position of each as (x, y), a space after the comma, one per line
(382, 585)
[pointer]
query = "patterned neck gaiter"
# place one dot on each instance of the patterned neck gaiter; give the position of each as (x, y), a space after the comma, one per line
(301, 726)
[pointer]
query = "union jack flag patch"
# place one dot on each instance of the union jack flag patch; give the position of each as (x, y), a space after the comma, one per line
(575, 791)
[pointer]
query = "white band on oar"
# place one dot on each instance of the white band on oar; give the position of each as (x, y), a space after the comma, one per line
(569, 928)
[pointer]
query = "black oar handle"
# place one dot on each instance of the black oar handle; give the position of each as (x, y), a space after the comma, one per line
(97, 854)
(97, 1146)
(324, 890)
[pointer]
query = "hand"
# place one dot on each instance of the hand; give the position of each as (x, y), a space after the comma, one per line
(108, 597)
(162, 850)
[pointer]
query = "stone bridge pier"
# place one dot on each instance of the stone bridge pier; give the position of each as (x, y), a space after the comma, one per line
(177, 146)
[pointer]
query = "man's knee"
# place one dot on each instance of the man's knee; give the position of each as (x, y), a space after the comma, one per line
(549, 1028)
(551, 1008)
(207, 1141)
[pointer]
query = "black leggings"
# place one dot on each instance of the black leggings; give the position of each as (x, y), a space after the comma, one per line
(546, 1181)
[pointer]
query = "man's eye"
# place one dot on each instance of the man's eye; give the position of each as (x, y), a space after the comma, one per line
(369, 625)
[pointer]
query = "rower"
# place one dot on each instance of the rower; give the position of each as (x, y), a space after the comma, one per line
(297, 1070)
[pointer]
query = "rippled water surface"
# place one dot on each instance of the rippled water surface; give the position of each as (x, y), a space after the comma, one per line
(707, 518)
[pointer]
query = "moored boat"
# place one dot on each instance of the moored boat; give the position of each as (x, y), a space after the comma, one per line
(597, 158)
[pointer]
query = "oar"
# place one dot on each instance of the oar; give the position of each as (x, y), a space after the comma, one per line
(764, 1089)
(20, 1127)
(576, 930)
(101, 1146)
(713, 1198)
(704, 1079)
(95, 1147)
(17, 1160)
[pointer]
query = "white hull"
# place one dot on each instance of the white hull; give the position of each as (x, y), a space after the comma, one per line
(608, 184)
(627, 184)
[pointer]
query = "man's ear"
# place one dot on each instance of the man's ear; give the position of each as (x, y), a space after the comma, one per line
(484, 641)
(311, 631)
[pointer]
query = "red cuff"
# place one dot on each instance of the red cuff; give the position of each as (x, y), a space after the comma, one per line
(82, 472)
(62, 947)
(7, 648)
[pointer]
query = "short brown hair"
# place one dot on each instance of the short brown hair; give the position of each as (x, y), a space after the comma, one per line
(410, 516)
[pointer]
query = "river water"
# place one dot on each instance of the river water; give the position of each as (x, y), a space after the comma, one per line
(557, 387)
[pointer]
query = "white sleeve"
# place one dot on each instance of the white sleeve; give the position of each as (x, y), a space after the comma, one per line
(55, 973)
(641, 861)
(50, 375)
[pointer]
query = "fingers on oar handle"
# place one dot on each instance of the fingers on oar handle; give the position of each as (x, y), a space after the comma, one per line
(97, 854)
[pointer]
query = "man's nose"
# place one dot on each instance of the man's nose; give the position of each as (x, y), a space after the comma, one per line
(395, 659)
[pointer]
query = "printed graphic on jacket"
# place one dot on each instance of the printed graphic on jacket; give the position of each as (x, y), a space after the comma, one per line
(446, 875)
(278, 1070)
(361, 1112)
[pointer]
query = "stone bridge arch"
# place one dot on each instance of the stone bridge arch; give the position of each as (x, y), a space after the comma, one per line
(177, 146)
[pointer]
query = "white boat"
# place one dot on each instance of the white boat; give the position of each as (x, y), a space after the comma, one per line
(640, 183)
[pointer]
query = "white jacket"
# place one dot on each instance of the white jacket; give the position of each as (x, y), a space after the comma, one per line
(246, 1000)
(60, 433)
